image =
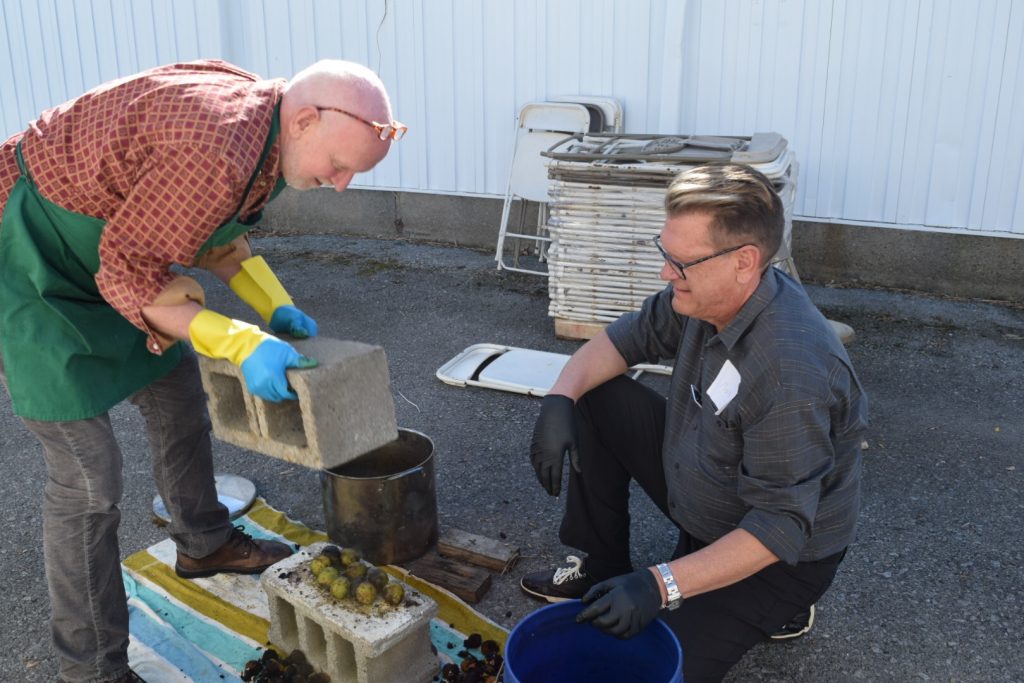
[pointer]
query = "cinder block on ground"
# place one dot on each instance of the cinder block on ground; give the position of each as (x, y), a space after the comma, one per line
(344, 409)
(390, 647)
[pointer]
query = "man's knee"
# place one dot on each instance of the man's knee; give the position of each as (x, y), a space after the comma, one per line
(606, 396)
(83, 464)
(99, 497)
(85, 491)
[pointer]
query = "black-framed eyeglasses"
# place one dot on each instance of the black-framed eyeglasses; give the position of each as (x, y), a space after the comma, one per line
(680, 268)
(395, 130)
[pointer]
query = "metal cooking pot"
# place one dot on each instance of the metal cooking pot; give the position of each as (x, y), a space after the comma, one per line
(384, 503)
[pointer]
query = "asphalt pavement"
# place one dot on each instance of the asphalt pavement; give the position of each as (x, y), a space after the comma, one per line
(930, 591)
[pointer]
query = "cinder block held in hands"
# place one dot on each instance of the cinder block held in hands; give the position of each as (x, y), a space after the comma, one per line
(344, 409)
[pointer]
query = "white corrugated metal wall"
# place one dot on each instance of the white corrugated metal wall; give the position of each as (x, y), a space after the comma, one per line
(904, 114)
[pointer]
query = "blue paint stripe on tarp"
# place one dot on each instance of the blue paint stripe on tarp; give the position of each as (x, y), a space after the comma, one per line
(187, 629)
(178, 652)
(449, 643)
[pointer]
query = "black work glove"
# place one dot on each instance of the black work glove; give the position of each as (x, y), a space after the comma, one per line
(553, 435)
(624, 605)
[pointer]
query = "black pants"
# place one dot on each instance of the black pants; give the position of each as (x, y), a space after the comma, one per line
(621, 426)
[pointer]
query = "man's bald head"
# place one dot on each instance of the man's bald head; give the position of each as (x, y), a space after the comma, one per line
(329, 113)
(338, 83)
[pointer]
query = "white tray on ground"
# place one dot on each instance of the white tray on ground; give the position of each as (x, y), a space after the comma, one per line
(235, 493)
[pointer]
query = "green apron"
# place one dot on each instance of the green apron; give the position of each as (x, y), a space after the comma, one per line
(67, 353)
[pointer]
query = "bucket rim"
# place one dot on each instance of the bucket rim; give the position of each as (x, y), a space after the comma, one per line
(658, 624)
(324, 471)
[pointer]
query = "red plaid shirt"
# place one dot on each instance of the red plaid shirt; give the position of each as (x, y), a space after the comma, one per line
(163, 157)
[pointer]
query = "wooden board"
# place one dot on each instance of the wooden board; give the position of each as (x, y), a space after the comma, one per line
(577, 329)
(489, 553)
(469, 583)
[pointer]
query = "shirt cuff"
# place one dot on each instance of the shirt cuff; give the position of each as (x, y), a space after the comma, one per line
(778, 532)
(181, 290)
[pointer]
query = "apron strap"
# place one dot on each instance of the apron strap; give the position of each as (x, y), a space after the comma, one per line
(21, 162)
(275, 128)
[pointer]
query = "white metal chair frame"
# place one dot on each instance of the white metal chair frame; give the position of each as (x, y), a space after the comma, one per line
(538, 126)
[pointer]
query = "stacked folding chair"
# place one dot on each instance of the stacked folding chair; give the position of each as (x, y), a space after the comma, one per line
(606, 204)
(539, 126)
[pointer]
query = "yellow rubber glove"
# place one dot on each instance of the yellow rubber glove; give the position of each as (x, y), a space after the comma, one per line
(263, 358)
(256, 285)
(217, 336)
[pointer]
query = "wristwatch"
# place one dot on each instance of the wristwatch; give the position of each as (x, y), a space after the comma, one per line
(675, 598)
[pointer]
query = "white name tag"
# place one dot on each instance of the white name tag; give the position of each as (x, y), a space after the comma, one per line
(724, 388)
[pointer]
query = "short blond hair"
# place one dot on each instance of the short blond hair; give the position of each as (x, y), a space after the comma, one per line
(741, 201)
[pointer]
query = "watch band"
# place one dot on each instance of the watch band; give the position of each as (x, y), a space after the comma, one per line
(675, 598)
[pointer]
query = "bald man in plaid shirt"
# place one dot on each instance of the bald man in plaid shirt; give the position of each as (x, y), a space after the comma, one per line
(100, 197)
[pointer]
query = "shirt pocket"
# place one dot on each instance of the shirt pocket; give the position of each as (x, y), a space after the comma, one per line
(722, 440)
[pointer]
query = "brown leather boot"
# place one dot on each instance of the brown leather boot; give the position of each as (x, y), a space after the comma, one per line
(242, 554)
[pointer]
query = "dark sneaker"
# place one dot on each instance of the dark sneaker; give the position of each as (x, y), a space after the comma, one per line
(558, 585)
(242, 554)
(797, 626)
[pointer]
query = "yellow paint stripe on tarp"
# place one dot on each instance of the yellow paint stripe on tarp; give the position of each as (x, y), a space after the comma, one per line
(190, 594)
(279, 523)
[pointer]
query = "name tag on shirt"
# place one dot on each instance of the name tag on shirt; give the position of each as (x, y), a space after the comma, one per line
(725, 387)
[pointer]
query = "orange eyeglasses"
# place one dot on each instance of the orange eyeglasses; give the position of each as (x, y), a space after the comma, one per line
(385, 131)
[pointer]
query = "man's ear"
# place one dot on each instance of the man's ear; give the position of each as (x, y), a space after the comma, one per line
(303, 119)
(748, 263)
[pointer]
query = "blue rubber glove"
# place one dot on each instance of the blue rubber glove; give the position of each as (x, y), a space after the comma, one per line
(264, 369)
(623, 606)
(289, 320)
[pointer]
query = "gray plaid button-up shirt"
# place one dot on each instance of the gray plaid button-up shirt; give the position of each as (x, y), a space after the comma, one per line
(782, 458)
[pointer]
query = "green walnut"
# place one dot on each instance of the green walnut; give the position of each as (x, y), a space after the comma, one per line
(377, 577)
(340, 587)
(366, 593)
(318, 563)
(349, 556)
(327, 576)
(355, 571)
(394, 593)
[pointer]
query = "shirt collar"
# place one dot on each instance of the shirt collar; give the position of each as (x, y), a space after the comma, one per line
(757, 302)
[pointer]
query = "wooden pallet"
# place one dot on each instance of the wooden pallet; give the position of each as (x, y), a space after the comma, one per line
(577, 329)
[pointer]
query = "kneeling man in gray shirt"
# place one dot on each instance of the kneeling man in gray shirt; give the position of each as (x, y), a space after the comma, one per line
(754, 456)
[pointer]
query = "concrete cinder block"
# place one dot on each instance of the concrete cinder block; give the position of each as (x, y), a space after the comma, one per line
(390, 647)
(344, 409)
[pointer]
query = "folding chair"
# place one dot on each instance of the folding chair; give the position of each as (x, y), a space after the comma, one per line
(539, 126)
(605, 112)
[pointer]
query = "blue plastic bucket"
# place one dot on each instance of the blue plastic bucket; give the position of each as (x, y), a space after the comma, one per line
(548, 645)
